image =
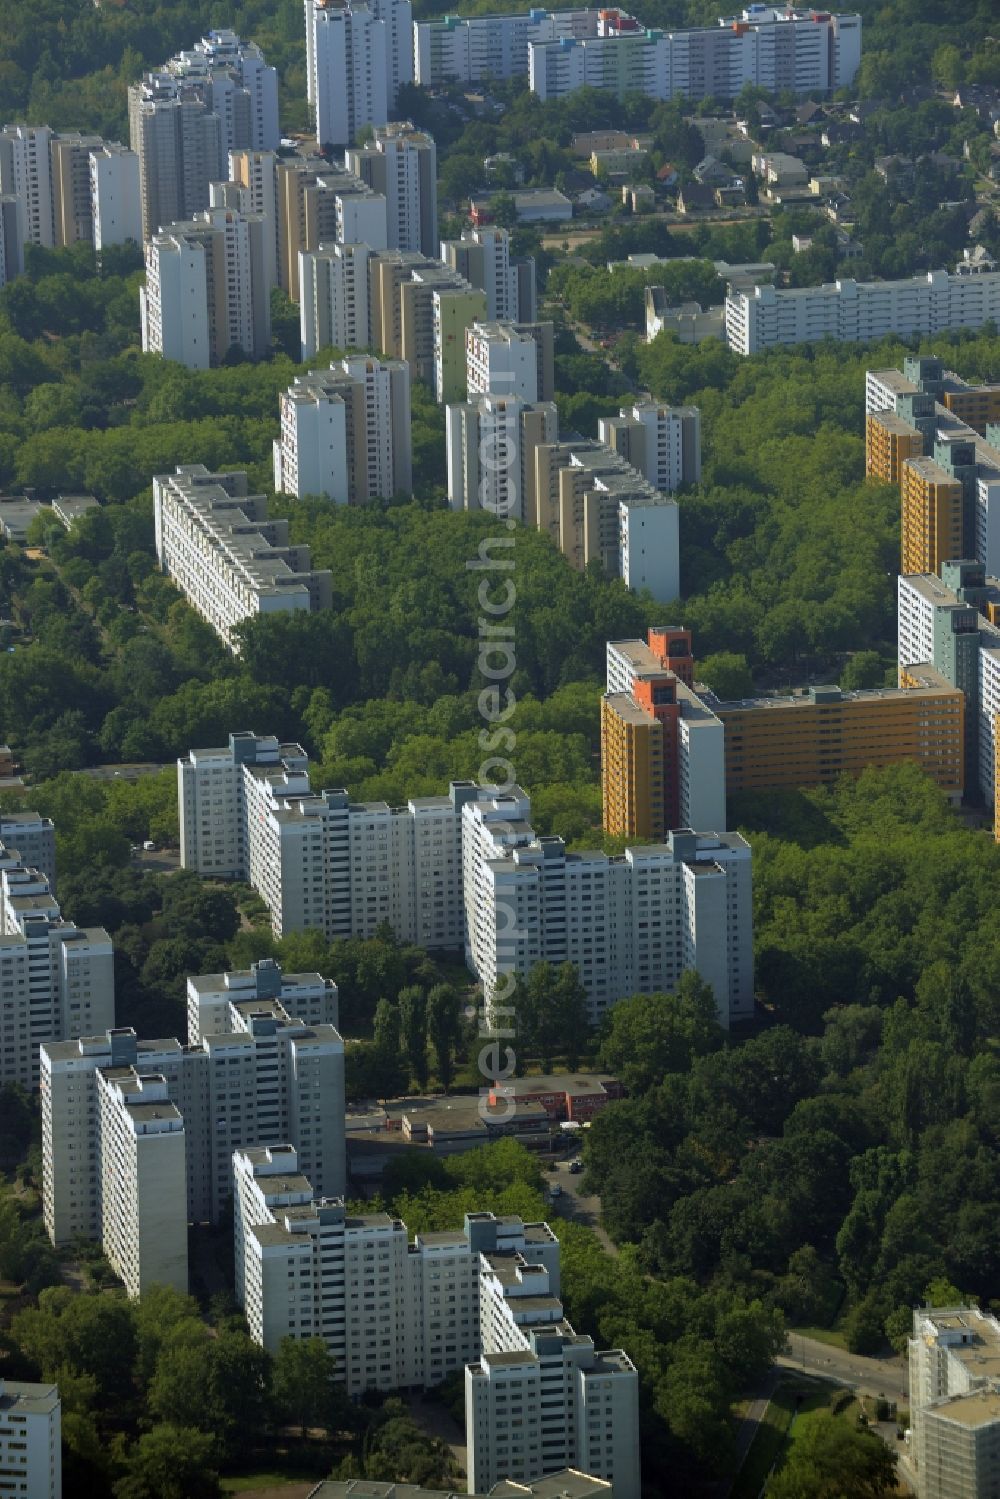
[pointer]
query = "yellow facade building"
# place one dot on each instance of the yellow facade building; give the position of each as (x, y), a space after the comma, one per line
(821, 733)
(632, 745)
(932, 530)
(889, 442)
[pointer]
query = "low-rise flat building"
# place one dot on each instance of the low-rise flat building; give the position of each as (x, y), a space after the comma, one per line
(574, 1096)
(214, 540)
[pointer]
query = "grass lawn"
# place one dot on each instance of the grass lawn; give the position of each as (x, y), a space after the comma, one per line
(773, 1432)
(258, 1481)
(832, 1336)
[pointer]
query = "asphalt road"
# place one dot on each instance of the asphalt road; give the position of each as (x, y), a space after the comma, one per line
(876, 1376)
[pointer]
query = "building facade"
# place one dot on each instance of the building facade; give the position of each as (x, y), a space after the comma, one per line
(116, 196)
(630, 924)
(470, 49)
(483, 257)
(26, 174)
(347, 58)
(491, 442)
(541, 1398)
(767, 317)
(817, 734)
(662, 442)
(662, 748)
(263, 1075)
(333, 298)
(186, 117)
(31, 1439)
(345, 432)
(394, 1313)
(444, 872)
(954, 1357)
(598, 508)
(56, 979)
(510, 359)
(800, 50)
(143, 1180)
(207, 290)
(400, 162)
(226, 557)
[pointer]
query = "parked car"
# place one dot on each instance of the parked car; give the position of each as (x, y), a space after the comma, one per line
(575, 1167)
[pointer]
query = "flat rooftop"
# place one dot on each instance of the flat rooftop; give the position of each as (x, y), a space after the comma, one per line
(981, 1408)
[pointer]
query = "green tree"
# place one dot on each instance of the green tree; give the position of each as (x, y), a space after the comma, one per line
(413, 1025)
(305, 1391)
(170, 1462)
(646, 1037)
(833, 1459)
(727, 674)
(443, 1030)
(388, 1055)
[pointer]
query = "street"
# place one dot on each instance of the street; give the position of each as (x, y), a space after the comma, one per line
(876, 1376)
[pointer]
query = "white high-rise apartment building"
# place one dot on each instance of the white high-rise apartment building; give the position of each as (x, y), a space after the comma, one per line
(347, 59)
(26, 171)
(33, 838)
(186, 118)
(31, 1439)
(469, 49)
(394, 1313)
(954, 1356)
(598, 508)
(143, 1180)
(345, 432)
(72, 203)
(207, 289)
(334, 308)
(308, 996)
(630, 924)
(468, 867)
(505, 358)
(56, 979)
(264, 1075)
(483, 257)
(239, 87)
(116, 196)
(256, 173)
(541, 1398)
(11, 237)
(323, 861)
(398, 18)
(804, 51)
(226, 557)
(491, 442)
(662, 442)
(858, 311)
(400, 163)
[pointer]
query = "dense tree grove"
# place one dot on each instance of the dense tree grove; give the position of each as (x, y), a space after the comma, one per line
(848, 1151)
